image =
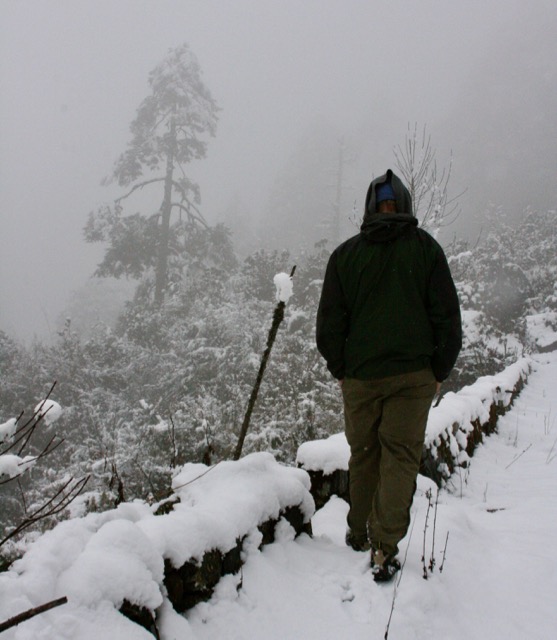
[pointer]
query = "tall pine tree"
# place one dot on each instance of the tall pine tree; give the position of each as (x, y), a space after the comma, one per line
(169, 131)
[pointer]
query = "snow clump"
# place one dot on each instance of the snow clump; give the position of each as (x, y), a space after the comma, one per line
(49, 410)
(283, 283)
(13, 466)
(7, 430)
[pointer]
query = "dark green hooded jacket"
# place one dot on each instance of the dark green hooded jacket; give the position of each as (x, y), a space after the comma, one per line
(388, 304)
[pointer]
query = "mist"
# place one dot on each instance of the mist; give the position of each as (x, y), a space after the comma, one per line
(293, 80)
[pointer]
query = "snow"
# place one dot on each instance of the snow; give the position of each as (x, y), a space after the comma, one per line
(499, 577)
(117, 563)
(220, 504)
(325, 455)
(463, 255)
(472, 321)
(473, 402)
(7, 430)
(541, 330)
(101, 559)
(13, 466)
(283, 283)
(50, 410)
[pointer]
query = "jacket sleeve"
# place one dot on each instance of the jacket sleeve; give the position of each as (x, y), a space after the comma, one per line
(332, 321)
(444, 315)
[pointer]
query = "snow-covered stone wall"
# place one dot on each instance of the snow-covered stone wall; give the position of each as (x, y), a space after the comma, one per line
(455, 427)
(149, 563)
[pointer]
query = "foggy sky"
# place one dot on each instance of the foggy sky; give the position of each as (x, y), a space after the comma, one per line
(73, 73)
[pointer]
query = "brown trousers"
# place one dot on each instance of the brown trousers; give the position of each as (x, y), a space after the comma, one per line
(385, 428)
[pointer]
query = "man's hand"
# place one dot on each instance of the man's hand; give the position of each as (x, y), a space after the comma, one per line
(340, 382)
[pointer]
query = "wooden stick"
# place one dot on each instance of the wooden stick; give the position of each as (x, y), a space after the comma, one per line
(278, 317)
(31, 613)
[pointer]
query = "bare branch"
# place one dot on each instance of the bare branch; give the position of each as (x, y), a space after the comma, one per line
(398, 581)
(181, 486)
(518, 456)
(31, 613)
(24, 433)
(22, 493)
(57, 503)
(50, 447)
(428, 187)
(444, 553)
(136, 187)
(432, 557)
(172, 436)
(428, 494)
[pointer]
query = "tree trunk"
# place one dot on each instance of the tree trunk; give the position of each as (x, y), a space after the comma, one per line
(336, 214)
(161, 272)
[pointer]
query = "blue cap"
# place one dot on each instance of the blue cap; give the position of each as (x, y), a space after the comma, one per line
(384, 191)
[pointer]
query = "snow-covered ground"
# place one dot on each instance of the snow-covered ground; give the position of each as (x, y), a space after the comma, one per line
(499, 578)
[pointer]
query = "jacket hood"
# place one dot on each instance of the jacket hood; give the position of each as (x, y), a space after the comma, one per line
(403, 199)
(382, 227)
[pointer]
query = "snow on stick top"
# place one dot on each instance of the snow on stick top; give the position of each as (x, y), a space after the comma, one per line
(283, 283)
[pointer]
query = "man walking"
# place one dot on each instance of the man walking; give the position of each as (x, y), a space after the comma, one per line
(388, 326)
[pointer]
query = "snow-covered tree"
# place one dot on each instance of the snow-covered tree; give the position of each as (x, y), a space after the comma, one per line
(170, 130)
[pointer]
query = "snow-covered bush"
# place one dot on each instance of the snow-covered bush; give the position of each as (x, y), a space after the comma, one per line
(26, 506)
(506, 285)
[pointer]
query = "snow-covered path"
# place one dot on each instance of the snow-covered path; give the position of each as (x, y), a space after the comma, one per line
(499, 579)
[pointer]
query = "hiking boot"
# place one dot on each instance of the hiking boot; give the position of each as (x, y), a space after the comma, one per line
(383, 567)
(358, 543)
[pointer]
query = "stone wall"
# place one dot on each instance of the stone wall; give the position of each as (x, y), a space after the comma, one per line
(195, 580)
(456, 427)
(214, 517)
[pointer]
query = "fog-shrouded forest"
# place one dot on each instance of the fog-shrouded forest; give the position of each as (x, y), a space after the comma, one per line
(312, 100)
(234, 142)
